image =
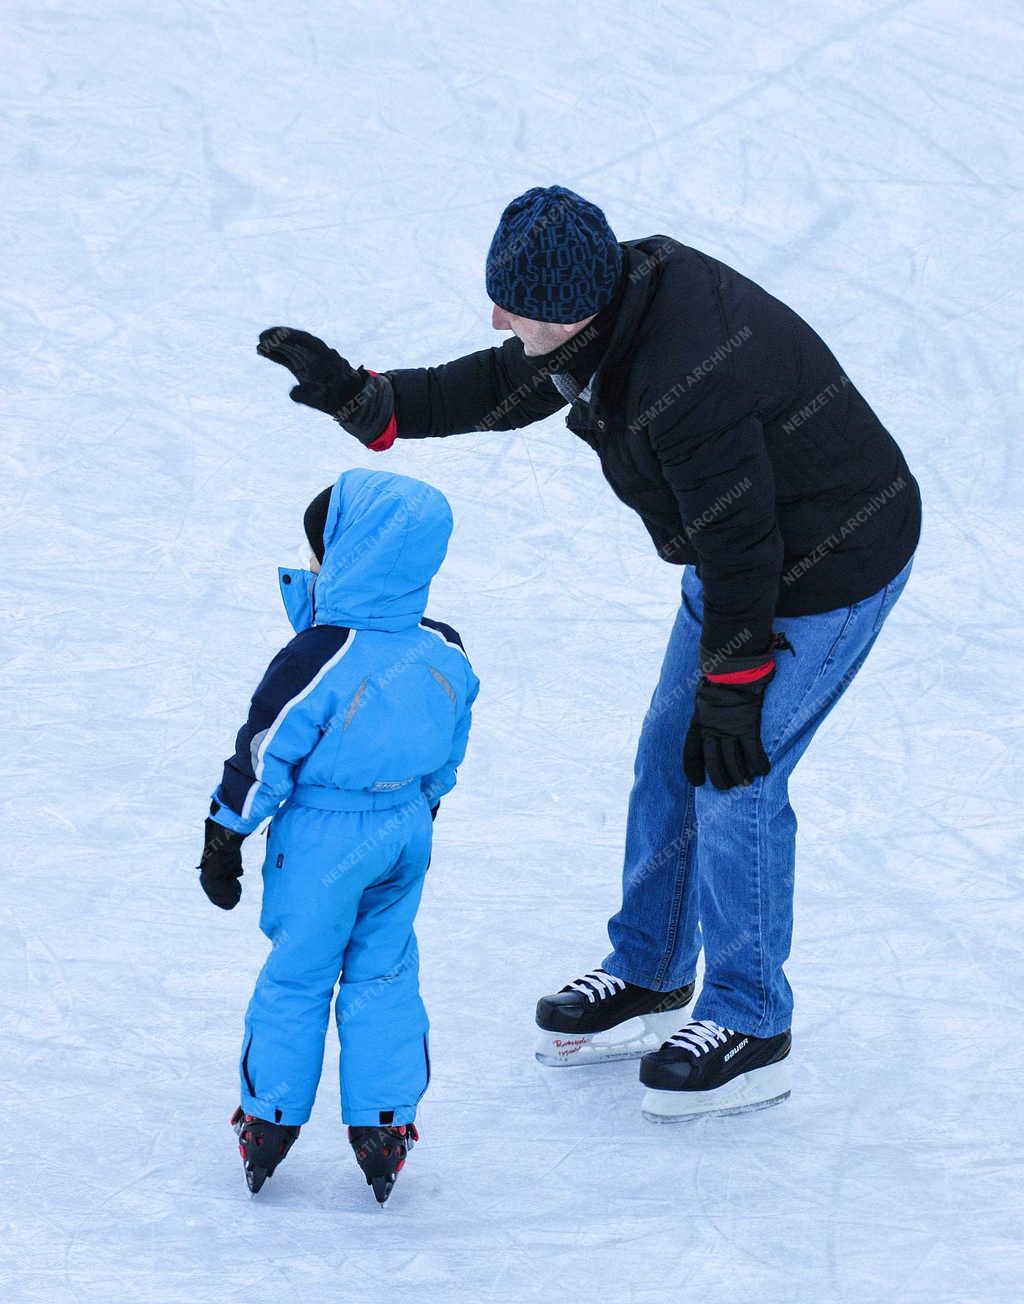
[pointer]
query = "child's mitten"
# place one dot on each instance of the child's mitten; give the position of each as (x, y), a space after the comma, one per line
(220, 865)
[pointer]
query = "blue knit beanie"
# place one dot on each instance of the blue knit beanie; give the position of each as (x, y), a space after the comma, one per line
(553, 257)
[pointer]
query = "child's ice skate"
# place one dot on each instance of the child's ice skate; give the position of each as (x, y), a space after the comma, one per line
(262, 1146)
(600, 1017)
(381, 1153)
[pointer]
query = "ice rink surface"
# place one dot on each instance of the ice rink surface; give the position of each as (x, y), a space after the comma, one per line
(178, 176)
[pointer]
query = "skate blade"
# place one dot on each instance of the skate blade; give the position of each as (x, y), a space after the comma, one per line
(626, 1041)
(758, 1089)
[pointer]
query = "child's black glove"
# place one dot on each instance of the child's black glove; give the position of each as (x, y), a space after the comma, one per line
(220, 865)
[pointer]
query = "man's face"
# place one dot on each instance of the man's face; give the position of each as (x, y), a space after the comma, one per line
(538, 336)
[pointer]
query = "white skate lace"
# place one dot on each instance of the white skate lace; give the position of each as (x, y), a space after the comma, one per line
(700, 1036)
(597, 985)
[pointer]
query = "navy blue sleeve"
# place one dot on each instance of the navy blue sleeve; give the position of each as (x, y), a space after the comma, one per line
(276, 732)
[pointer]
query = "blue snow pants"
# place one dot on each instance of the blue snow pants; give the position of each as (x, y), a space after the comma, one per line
(340, 893)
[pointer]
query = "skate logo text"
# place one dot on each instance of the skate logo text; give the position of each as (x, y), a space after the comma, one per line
(727, 1057)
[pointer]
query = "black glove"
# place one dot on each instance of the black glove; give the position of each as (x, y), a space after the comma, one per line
(359, 400)
(220, 866)
(723, 742)
(327, 381)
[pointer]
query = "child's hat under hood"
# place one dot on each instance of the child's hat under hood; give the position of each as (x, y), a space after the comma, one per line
(385, 537)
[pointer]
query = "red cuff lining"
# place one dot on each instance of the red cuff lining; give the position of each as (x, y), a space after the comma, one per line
(386, 439)
(387, 436)
(743, 676)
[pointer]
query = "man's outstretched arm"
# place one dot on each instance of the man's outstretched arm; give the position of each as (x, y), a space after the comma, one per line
(492, 389)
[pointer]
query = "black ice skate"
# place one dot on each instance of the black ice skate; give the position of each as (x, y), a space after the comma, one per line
(600, 1017)
(262, 1146)
(707, 1069)
(381, 1153)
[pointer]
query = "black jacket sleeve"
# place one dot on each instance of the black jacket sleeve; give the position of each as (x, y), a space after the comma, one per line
(725, 487)
(494, 389)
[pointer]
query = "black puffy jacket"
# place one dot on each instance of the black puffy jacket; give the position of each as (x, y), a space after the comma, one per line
(724, 420)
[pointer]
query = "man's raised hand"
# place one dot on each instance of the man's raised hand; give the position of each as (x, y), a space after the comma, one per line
(326, 380)
(359, 400)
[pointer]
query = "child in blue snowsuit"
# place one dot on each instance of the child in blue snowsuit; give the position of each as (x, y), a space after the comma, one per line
(354, 735)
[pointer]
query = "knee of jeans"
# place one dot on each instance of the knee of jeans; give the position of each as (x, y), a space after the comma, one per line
(664, 727)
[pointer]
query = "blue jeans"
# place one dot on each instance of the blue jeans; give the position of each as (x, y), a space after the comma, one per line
(711, 867)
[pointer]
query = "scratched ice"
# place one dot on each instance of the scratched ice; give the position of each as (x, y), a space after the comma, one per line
(179, 176)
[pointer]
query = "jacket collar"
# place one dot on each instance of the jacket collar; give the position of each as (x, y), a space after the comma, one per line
(644, 259)
(297, 595)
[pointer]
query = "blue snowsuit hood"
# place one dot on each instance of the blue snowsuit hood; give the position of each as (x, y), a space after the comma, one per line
(385, 538)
